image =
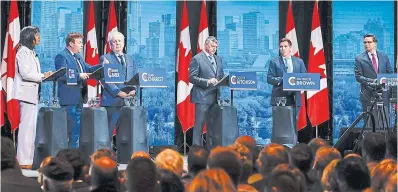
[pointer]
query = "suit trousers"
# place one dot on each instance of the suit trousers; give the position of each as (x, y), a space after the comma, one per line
(202, 114)
(27, 133)
(382, 118)
(73, 113)
(113, 118)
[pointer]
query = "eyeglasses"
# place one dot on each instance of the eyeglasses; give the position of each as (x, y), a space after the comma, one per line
(367, 42)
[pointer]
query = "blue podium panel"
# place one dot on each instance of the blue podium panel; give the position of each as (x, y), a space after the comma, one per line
(222, 126)
(131, 135)
(51, 134)
(93, 130)
(284, 125)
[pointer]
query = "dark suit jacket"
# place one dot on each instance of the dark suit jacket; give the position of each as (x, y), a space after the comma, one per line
(200, 71)
(71, 94)
(13, 180)
(275, 77)
(109, 95)
(366, 74)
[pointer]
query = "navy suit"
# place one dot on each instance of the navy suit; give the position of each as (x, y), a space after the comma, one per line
(200, 71)
(71, 96)
(275, 77)
(365, 74)
(110, 99)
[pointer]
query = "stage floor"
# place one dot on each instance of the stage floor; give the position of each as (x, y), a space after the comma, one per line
(34, 173)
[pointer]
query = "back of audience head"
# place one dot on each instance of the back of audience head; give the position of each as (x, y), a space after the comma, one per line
(282, 181)
(324, 155)
(57, 175)
(352, 174)
(140, 154)
(381, 173)
(329, 176)
(8, 155)
(271, 156)
(169, 181)
(391, 185)
(214, 179)
(317, 143)
(75, 158)
(301, 157)
(392, 146)
(104, 152)
(227, 159)
(141, 174)
(246, 158)
(373, 147)
(197, 159)
(104, 174)
(301, 179)
(246, 188)
(250, 143)
(45, 162)
(170, 160)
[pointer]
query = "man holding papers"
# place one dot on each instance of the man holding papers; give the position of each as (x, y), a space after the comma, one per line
(205, 70)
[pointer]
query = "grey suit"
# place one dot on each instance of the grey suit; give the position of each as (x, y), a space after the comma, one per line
(204, 96)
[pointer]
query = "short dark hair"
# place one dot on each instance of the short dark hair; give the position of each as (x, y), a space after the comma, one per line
(374, 146)
(58, 169)
(141, 175)
(316, 143)
(72, 37)
(371, 35)
(286, 40)
(27, 36)
(170, 182)
(301, 156)
(104, 174)
(197, 159)
(392, 145)
(75, 158)
(227, 159)
(283, 180)
(250, 143)
(8, 155)
(353, 173)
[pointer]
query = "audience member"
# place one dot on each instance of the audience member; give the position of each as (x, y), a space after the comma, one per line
(250, 143)
(328, 181)
(392, 184)
(297, 173)
(317, 143)
(392, 146)
(170, 182)
(12, 178)
(75, 158)
(213, 179)
(352, 174)
(170, 160)
(373, 148)
(103, 175)
(324, 155)
(301, 157)
(140, 154)
(381, 173)
(101, 153)
(45, 162)
(141, 175)
(282, 181)
(197, 161)
(57, 175)
(227, 159)
(247, 161)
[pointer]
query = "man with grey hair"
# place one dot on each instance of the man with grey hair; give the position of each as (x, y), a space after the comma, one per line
(114, 94)
(205, 70)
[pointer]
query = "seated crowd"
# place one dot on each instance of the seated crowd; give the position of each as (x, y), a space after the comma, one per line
(242, 167)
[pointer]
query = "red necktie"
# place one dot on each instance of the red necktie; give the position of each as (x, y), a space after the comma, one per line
(374, 63)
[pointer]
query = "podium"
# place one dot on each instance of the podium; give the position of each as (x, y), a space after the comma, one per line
(94, 133)
(284, 124)
(132, 133)
(51, 130)
(223, 124)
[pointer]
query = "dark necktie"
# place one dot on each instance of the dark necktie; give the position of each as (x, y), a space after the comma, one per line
(374, 63)
(121, 57)
(213, 62)
(79, 66)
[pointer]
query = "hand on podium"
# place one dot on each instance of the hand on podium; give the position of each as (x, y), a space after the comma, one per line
(105, 61)
(123, 94)
(132, 93)
(47, 74)
(84, 75)
(212, 81)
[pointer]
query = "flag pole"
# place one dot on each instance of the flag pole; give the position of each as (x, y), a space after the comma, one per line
(316, 131)
(13, 137)
(185, 143)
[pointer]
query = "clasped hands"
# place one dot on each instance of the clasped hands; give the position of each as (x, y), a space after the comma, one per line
(212, 81)
(123, 94)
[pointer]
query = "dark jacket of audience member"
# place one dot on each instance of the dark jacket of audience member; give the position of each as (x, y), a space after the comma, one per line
(12, 178)
(352, 174)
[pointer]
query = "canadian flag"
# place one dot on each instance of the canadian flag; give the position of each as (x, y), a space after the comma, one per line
(112, 26)
(291, 34)
(91, 50)
(185, 109)
(318, 101)
(203, 28)
(8, 68)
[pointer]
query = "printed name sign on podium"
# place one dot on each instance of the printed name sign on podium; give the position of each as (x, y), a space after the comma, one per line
(301, 82)
(243, 80)
(71, 76)
(113, 73)
(152, 77)
(390, 79)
